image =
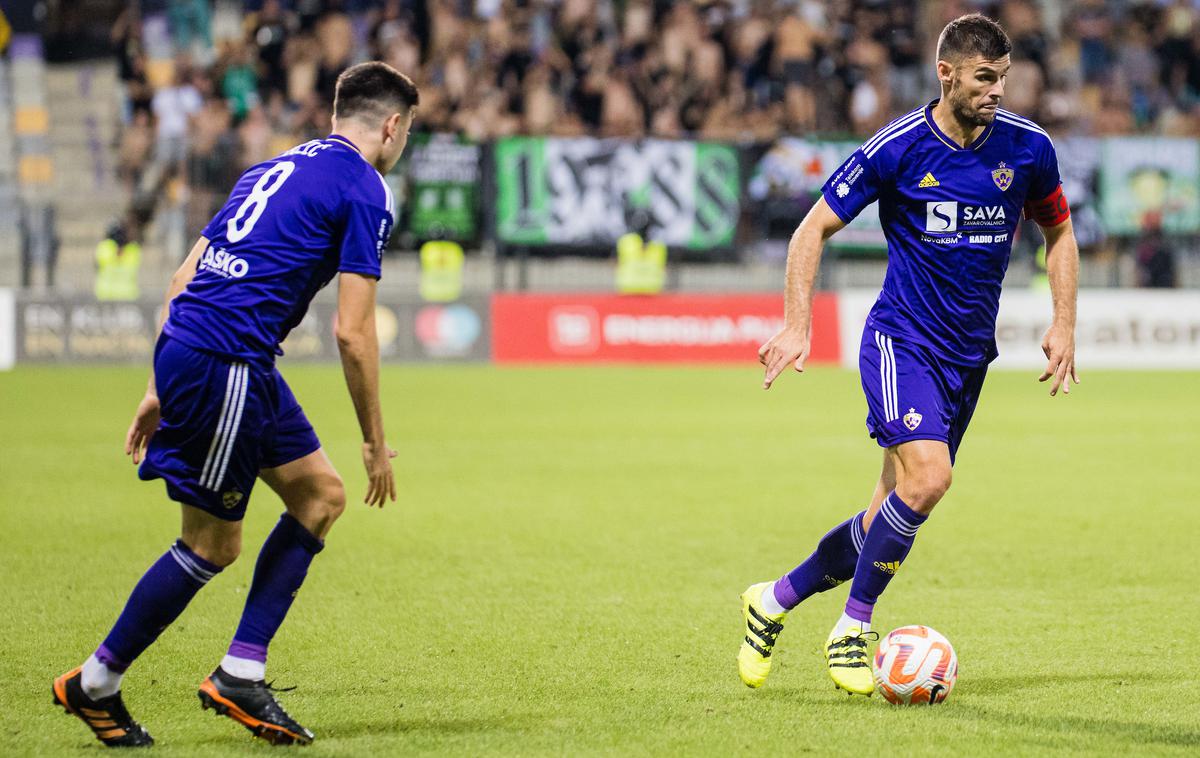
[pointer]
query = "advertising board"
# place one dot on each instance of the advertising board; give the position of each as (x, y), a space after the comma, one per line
(57, 330)
(665, 328)
(1115, 328)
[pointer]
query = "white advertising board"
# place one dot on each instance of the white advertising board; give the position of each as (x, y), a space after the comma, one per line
(8, 329)
(1115, 328)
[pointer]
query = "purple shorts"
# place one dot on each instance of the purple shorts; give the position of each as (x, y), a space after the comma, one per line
(222, 421)
(914, 395)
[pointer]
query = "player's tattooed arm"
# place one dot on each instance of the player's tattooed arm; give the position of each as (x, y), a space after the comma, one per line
(1062, 266)
(791, 344)
(146, 417)
(359, 349)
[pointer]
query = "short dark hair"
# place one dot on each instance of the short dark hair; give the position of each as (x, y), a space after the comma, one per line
(973, 34)
(372, 91)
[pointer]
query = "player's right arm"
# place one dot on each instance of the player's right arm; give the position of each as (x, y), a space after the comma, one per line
(791, 344)
(855, 185)
(359, 349)
(146, 418)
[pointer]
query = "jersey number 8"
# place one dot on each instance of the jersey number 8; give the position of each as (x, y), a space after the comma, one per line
(255, 203)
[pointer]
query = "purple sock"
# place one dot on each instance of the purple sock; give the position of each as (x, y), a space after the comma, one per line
(159, 597)
(831, 564)
(887, 544)
(278, 574)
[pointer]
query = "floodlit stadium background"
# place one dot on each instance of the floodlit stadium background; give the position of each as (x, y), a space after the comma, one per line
(549, 129)
(561, 573)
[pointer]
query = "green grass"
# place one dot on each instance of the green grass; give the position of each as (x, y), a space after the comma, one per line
(561, 573)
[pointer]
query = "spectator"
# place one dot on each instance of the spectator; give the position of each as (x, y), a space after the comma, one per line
(174, 106)
(190, 26)
(735, 70)
(134, 150)
(1155, 258)
(39, 242)
(118, 262)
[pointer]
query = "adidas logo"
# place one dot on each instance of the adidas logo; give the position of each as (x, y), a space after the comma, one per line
(890, 567)
(929, 181)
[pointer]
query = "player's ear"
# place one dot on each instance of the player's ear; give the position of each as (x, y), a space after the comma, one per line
(945, 72)
(391, 127)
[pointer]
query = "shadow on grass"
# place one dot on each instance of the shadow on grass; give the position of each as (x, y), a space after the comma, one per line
(378, 727)
(1001, 685)
(396, 726)
(813, 698)
(1128, 732)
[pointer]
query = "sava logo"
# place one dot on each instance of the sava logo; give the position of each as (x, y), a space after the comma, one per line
(943, 216)
(983, 215)
(222, 263)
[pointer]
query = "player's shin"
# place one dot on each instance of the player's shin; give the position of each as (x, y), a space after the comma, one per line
(830, 564)
(884, 549)
(159, 597)
(282, 565)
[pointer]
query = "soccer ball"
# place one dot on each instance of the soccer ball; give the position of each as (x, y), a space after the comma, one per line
(915, 665)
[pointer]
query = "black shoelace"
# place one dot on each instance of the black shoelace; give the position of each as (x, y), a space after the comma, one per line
(853, 648)
(768, 633)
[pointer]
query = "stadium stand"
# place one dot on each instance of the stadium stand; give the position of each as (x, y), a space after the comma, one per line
(201, 95)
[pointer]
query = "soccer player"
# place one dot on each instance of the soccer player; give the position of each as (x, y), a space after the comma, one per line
(952, 179)
(217, 414)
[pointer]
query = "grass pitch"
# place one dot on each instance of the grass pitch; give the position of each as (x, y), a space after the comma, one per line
(562, 571)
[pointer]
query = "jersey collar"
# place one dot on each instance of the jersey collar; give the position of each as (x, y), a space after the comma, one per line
(933, 127)
(344, 141)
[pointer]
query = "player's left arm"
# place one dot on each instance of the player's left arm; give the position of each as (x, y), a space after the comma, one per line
(146, 418)
(368, 215)
(1062, 267)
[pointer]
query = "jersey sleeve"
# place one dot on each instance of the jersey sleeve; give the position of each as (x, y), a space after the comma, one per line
(854, 186)
(369, 218)
(1046, 204)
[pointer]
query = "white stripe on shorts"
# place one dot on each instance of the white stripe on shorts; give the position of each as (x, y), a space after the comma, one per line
(887, 343)
(235, 388)
(237, 423)
(887, 376)
(230, 380)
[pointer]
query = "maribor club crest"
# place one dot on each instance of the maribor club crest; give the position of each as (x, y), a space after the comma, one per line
(912, 419)
(1002, 176)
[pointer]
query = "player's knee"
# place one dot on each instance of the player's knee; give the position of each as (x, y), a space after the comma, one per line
(219, 552)
(333, 498)
(926, 488)
(324, 505)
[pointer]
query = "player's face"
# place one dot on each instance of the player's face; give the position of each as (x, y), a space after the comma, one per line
(976, 88)
(395, 139)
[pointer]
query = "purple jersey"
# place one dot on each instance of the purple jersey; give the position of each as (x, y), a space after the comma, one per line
(949, 213)
(289, 225)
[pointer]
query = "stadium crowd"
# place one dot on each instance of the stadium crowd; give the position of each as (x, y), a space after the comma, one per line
(242, 81)
(741, 70)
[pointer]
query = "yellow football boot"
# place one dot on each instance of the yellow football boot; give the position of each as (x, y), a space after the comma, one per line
(762, 629)
(849, 660)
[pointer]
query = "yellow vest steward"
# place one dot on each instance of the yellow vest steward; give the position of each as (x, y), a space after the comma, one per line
(117, 271)
(441, 271)
(641, 267)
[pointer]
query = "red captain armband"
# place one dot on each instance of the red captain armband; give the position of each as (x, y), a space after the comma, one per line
(1051, 211)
